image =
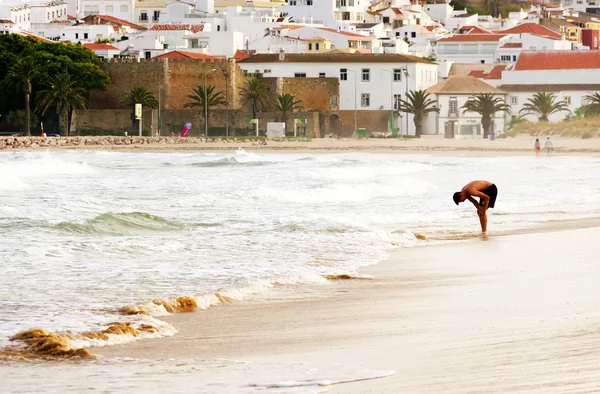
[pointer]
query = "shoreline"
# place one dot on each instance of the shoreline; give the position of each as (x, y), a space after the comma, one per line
(373, 323)
(520, 145)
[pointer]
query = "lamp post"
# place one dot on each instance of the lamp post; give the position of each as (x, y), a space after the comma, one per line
(355, 107)
(226, 75)
(406, 76)
(205, 106)
(391, 99)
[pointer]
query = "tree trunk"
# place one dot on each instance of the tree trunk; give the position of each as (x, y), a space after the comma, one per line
(63, 121)
(486, 122)
(253, 109)
(543, 118)
(26, 129)
(418, 127)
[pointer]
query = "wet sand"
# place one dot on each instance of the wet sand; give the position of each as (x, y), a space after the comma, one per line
(512, 313)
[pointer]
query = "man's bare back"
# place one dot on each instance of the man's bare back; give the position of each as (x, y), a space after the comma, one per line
(486, 192)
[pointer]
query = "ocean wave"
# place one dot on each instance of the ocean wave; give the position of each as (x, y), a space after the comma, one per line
(132, 223)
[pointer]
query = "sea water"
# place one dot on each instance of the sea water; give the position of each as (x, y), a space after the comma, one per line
(84, 233)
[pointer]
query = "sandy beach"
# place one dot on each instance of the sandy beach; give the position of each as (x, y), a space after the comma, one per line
(503, 314)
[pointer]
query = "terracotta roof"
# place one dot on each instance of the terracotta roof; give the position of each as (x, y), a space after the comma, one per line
(557, 60)
(71, 17)
(462, 85)
(300, 39)
(291, 27)
(533, 28)
(7, 22)
(335, 58)
(472, 37)
(101, 47)
(348, 34)
(116, 21)
(29, 34)
(495, 72)
(185, 55)
(397, 11)
(550, 88)
(431, 28)
(241, 55)
(463, 69)
(474, 30)
(177, 26)
(512, 45)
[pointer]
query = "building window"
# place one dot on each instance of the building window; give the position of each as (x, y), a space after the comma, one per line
(85, 36)
(124, 8)
(514, 58)
(148, 54)
(453, 106)
(143, 16)
(267, 71)
(366, 75)
(245, 72)
(413, 35)
(514, 100)
(397, 75)
(218, 27)
(299, 75)
(309, 2)
(292, 2)
(505, 58)
(310, 46)
(397, 101)
(77, 36)
(317, 46)
(156, 15)
(568, 100)
(321, 75)
(365, 100)
(108, 9)
(386, 19)
(343, 74)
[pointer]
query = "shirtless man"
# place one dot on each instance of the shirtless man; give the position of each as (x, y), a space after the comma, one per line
(485, 191)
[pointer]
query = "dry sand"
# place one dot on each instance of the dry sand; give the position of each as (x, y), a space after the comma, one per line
(504, 314)
(427, 144)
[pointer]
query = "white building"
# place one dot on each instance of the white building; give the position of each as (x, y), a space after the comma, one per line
(439, 11)
(103, 51)
(339, 39)
(460, 19)
(86, 33)
(147, 12)
(470, 48)
(571, 75)
(7, 26)
(19, 14)
(274, 43)
(451, 94)
(367, 81)
(48, 18)
(215, 43)
(330, 13)
(121, 9)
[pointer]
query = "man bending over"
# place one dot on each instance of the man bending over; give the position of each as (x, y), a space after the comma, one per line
(485, 191)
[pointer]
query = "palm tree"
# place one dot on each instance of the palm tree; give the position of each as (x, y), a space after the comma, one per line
(25, 70)
(543, 105)
(592, 108)
(205, 93)
(138, 96)
(255, 93)
(286, 104)
(486, 105)
(64, 94)
(420, 105)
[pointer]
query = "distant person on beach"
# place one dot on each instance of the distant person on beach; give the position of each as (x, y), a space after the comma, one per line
(538, 146)
(548, 146)
(486, 192)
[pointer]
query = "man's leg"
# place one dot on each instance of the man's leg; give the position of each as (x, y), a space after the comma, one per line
(483, 221)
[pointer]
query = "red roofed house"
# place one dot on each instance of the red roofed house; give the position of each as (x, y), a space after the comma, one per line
(103, 51)
(470, 48)
(339, 39)
(183, 55)
(98, 27)
(571, 75)
(492, 75)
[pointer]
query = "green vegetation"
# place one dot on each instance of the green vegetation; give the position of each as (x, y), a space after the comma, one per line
(543, 105)
(462, 5)
(486, 105)
(205, 94)
(254, 93)
(27, 64)
(420, 105)
(138, 96)
(286, 105)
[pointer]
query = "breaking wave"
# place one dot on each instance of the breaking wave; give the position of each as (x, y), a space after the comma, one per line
(131, 223)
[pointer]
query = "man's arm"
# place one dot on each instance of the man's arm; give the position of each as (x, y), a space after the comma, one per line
(484, 197)
(473, 201)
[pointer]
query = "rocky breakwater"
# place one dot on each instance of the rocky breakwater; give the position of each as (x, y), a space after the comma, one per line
(66, 142)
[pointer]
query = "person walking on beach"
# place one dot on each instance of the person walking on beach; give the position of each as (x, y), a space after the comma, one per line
(548, 146)
(486, 192)
(538, 146)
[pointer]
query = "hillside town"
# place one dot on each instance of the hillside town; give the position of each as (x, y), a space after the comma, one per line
(351, 66)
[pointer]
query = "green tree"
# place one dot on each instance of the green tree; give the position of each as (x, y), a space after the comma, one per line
(543, 105)
(138, 96)
(205, 94)
(24, 71)
(486, 105)
(64, 94)
(287, 104)
(254, 93)
(16, 119)
(592, 106)
(420, 105)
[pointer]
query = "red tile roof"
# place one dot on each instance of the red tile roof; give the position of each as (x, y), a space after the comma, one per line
(7, 22)
(512, 45)
(290, 27)
(113, 20)
(185, 55)
(557, 60)
(533, 28)
(177, 26)
(101, 47)
(347, 33)
(397, 11)
(493, 73)
(474, 30)
(29, 34)
(71, 17)
(472, 37)
(241, 55)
